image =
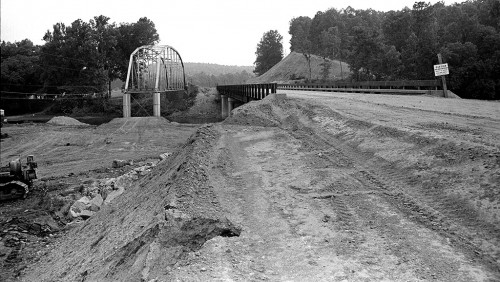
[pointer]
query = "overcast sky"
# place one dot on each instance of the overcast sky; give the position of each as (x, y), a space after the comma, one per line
(209, 31)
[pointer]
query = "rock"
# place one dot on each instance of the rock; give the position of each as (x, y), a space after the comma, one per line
(113, 194)
(84, 200)
(164, 156)
(76, 208)
(121, 163)
(125, 181)
(86, 214)
(110, 182)
(96, 203)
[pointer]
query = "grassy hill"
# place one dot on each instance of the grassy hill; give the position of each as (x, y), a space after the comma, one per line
(295, 66)
(214, 69)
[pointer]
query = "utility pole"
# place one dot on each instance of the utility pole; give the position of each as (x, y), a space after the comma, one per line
(443, 78)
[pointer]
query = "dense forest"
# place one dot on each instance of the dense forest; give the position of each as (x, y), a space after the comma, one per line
(403, 45)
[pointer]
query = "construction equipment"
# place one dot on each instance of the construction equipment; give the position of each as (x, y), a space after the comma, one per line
(16, 179)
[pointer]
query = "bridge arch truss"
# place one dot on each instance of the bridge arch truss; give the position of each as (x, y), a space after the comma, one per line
(153, 69)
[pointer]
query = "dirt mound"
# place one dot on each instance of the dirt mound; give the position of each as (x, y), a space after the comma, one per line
(274, 110)
(294, 66)
(149, 228)
(62, 120)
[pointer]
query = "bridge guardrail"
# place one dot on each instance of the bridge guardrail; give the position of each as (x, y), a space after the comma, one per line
(410, 87)
(248, 92)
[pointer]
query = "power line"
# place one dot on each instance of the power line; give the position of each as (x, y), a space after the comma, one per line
(50, 99)
(41, 94)
(77, 86)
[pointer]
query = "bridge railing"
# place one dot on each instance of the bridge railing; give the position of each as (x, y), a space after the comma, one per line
(248, 92)
(398, 87)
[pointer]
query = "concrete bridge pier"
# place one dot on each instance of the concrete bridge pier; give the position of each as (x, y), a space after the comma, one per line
(224, 100)
(230, 105)
(156, 104)
(126, 105)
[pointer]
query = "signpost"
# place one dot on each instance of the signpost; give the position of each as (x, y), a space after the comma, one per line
(442, 70)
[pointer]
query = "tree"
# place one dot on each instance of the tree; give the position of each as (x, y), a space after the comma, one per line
(130, 37)
(299, 29)
(269, 51)
(85, 57)
(20, 69)
(298, 26)
(332, 45)
(366, 48)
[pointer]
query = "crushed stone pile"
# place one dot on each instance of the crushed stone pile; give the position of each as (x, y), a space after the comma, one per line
(62, 120)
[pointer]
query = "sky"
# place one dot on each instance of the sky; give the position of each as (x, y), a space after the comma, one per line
(207, 31)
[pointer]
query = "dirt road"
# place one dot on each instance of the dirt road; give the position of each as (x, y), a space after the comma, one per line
(348, 189)
(312, 187)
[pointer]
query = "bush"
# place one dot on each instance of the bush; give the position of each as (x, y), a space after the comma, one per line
(84, 106)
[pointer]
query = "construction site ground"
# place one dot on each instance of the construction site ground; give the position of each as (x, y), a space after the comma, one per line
(302, 187)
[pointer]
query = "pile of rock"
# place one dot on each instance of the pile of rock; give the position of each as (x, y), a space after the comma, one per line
(104, 191)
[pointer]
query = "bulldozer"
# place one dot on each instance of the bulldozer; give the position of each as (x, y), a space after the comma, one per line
(16, 179)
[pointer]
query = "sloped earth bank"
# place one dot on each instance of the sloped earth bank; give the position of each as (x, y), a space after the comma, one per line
(70, 160)
(333, 188)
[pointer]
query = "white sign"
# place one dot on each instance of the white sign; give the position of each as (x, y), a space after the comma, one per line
(441, 69)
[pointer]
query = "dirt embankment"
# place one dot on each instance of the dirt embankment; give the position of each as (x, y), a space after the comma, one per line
(303, 189)
(71, 160)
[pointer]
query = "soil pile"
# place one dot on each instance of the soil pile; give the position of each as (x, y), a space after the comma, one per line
(149, 228)
(62, 120)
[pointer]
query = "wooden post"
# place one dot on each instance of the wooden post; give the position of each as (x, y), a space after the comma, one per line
(443, 78)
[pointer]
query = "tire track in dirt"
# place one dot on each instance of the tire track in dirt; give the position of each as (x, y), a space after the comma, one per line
(478, 238)
(319, 195)
(353, 208)
(322, 128)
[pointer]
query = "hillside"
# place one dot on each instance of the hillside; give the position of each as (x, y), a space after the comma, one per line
(214, 69)
(295, 65)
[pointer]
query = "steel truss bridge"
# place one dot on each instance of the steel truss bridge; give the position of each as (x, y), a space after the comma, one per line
(153, 70)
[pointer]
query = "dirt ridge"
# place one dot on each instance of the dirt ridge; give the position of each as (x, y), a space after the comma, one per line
(149, 228)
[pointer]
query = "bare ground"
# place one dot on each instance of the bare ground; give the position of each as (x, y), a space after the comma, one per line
(315, 187)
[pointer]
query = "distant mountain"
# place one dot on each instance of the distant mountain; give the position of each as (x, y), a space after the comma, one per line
(211, 75)
(215, 69)
(294, 66)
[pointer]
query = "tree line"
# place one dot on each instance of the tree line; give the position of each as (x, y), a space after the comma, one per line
(211, 75)
(83, 57)
(211, 80)
(403, 45)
